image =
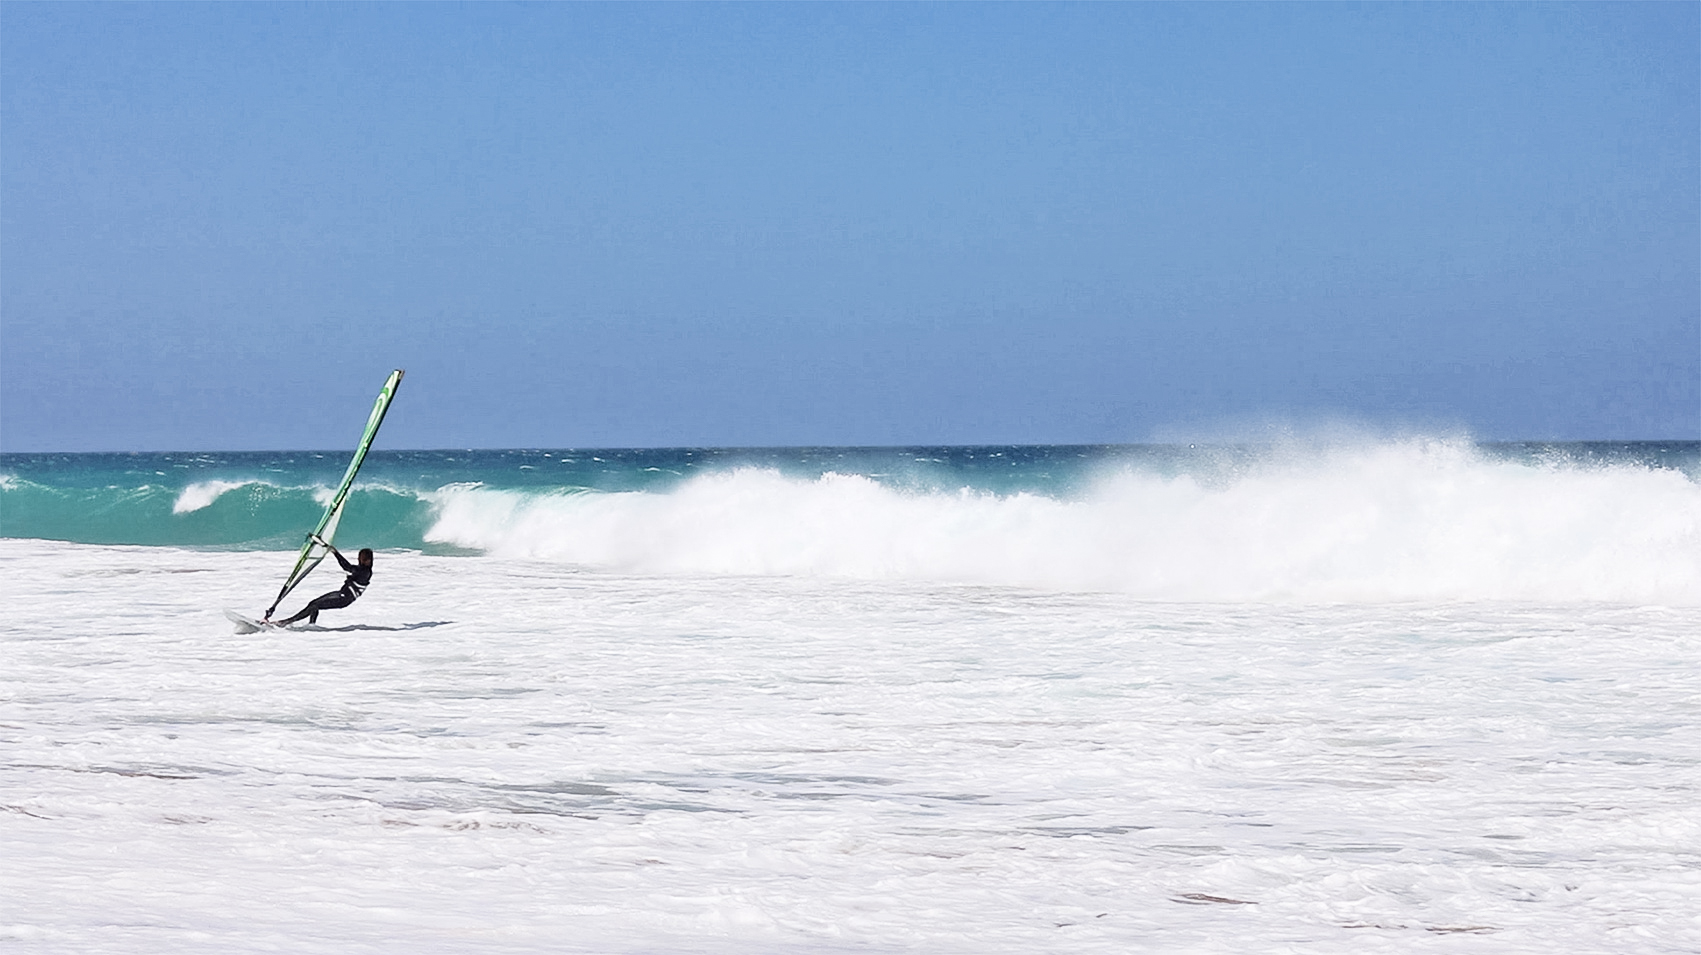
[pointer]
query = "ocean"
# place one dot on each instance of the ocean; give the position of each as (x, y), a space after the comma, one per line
(1399, 695)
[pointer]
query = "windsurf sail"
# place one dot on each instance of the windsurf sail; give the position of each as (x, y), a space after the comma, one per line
(318, 543)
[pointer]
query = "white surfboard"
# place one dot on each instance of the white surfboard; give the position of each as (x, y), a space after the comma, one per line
(249, 624)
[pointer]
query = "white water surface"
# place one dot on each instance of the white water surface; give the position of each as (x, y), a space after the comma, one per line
(520, 755)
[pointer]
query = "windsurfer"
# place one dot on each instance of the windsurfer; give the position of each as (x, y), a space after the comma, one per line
(359, 576)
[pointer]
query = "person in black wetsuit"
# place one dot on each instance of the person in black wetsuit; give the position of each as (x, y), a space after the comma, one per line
(359, 575)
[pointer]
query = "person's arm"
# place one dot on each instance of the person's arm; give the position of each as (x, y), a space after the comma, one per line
(347, 567)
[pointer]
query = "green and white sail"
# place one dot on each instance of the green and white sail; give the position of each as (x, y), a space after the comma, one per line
(318, 543)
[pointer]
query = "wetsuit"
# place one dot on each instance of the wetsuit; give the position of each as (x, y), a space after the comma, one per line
(358, 578)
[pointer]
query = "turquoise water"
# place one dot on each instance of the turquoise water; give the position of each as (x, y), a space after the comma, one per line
(264, 500)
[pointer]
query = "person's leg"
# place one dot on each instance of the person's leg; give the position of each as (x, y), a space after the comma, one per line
(304, 611)
(334, 601)
(330, 601)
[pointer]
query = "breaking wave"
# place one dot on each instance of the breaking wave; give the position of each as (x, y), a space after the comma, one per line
(1421, 520)
(202, 494)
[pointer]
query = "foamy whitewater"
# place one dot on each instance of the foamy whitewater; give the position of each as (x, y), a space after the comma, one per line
(1401, 696)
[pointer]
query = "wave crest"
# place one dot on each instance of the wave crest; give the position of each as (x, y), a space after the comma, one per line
(203, 494)
(1421, 520)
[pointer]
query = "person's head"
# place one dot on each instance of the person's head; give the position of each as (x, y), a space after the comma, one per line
(366, 557)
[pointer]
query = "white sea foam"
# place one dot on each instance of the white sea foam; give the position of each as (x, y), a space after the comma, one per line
(1399, 521)
(504, 755)
(202, 494)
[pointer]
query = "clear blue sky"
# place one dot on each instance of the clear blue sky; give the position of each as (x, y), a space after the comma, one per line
(592, 225)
